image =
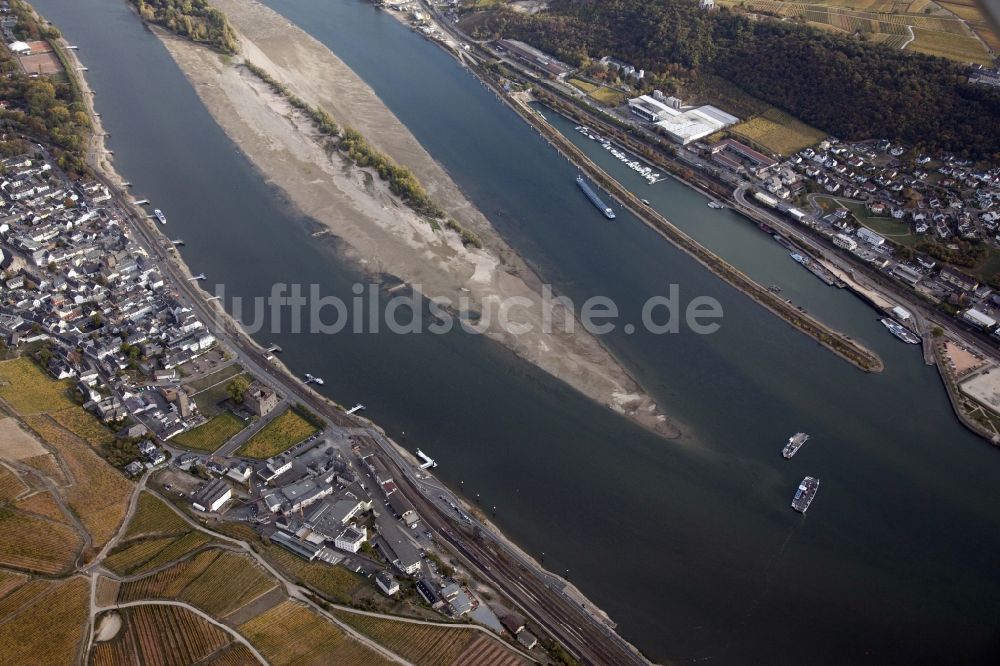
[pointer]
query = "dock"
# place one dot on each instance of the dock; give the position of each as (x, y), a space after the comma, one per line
(274, 348)
(428, 461)
(199, 276)
(356, 408)
(178, 242)
(141, 202)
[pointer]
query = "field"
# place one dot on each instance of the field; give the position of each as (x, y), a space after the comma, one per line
(42, 504)
(777, 132)
(29, 390)
(15, 443)
(98, 493)
(84, 425)
(36, 544)
(50, 630)
(284, 431)
(290, 633)
(218, 582)
(152, 516)
(160, 636)
(421, 644)
(212, 434)
(972, 14)
(943, 30)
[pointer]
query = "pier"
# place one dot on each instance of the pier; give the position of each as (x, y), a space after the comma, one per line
(428, 461)
(199, 276)
(356, 408)
(141, 202)
(178, 242)
(274, 348)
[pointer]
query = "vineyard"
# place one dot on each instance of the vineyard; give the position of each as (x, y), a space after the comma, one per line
(235, 655)
(419, 643)
(29, 390)
(218, 582)
(938, 32)
(290, 633)
(10, 581)
(777, 132)
(287, 429)
(11, 486)
(23, 595)
(42, 504)
(160, 636)
(212, 434)
(487, 651)
(84, 425)
(147, 554)
(98, 493)
(336, 583)
(152, 516)
(107, 591)
(50, 630)
(36, 544)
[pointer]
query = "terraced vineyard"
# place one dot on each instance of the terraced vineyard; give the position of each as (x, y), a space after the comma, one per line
(49, 629)
(422, 644)
(98, 493)
(84, 426)
(487, 651)
(217, 582)
(29, 390)
(42, 504)
(236, 654)
(160, 636)
(315, 641)
(11, 486)
(36, 544)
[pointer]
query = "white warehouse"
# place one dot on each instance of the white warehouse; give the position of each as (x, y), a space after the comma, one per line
(683, 126)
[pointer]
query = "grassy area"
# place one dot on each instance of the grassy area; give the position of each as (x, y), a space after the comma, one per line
(211, 389)
(29, 390)
(287, 429)
(895, 230)
(49, 630)
(777, 132)
(602, 94)
(212, 434)
(222, 375)
(290, 633)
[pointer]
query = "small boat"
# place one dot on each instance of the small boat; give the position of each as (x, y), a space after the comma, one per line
(158, 214)
(645, 201)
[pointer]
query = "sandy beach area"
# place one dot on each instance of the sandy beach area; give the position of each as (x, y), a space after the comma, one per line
(376, 230)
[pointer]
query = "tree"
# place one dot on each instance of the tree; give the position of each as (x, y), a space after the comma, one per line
(237, 389)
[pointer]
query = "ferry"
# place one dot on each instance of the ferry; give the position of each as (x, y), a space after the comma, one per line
(805, 493)
(594, 199)
(795, 443)
(900, 331)
(158, 214)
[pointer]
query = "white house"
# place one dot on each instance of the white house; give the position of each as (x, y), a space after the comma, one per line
(213, 496)
(386, 583)
(351, 539)
(846, 242)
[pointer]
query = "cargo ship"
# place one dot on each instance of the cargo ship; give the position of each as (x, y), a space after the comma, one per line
(900, 331)
(158, 214)
(805, 493)
(594, 199)
(795, 443)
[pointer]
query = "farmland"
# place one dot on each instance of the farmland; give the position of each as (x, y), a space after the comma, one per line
(29, 390)
(777, 132)
(36, 544)
(290, 633)
(285, 430)
(212, 434)
(160, 635)
(49, 630)
(98, 492)
(419, 643)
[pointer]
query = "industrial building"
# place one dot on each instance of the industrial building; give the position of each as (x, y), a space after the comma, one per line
(213, 496)
(681, 125)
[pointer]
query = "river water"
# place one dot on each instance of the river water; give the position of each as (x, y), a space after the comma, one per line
(690, 546)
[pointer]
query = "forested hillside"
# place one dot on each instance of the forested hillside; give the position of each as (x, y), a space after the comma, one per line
(849, 88)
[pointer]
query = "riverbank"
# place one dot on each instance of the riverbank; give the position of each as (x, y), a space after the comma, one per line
(371, 226)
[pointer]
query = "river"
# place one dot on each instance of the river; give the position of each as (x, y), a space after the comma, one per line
(691, 545)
